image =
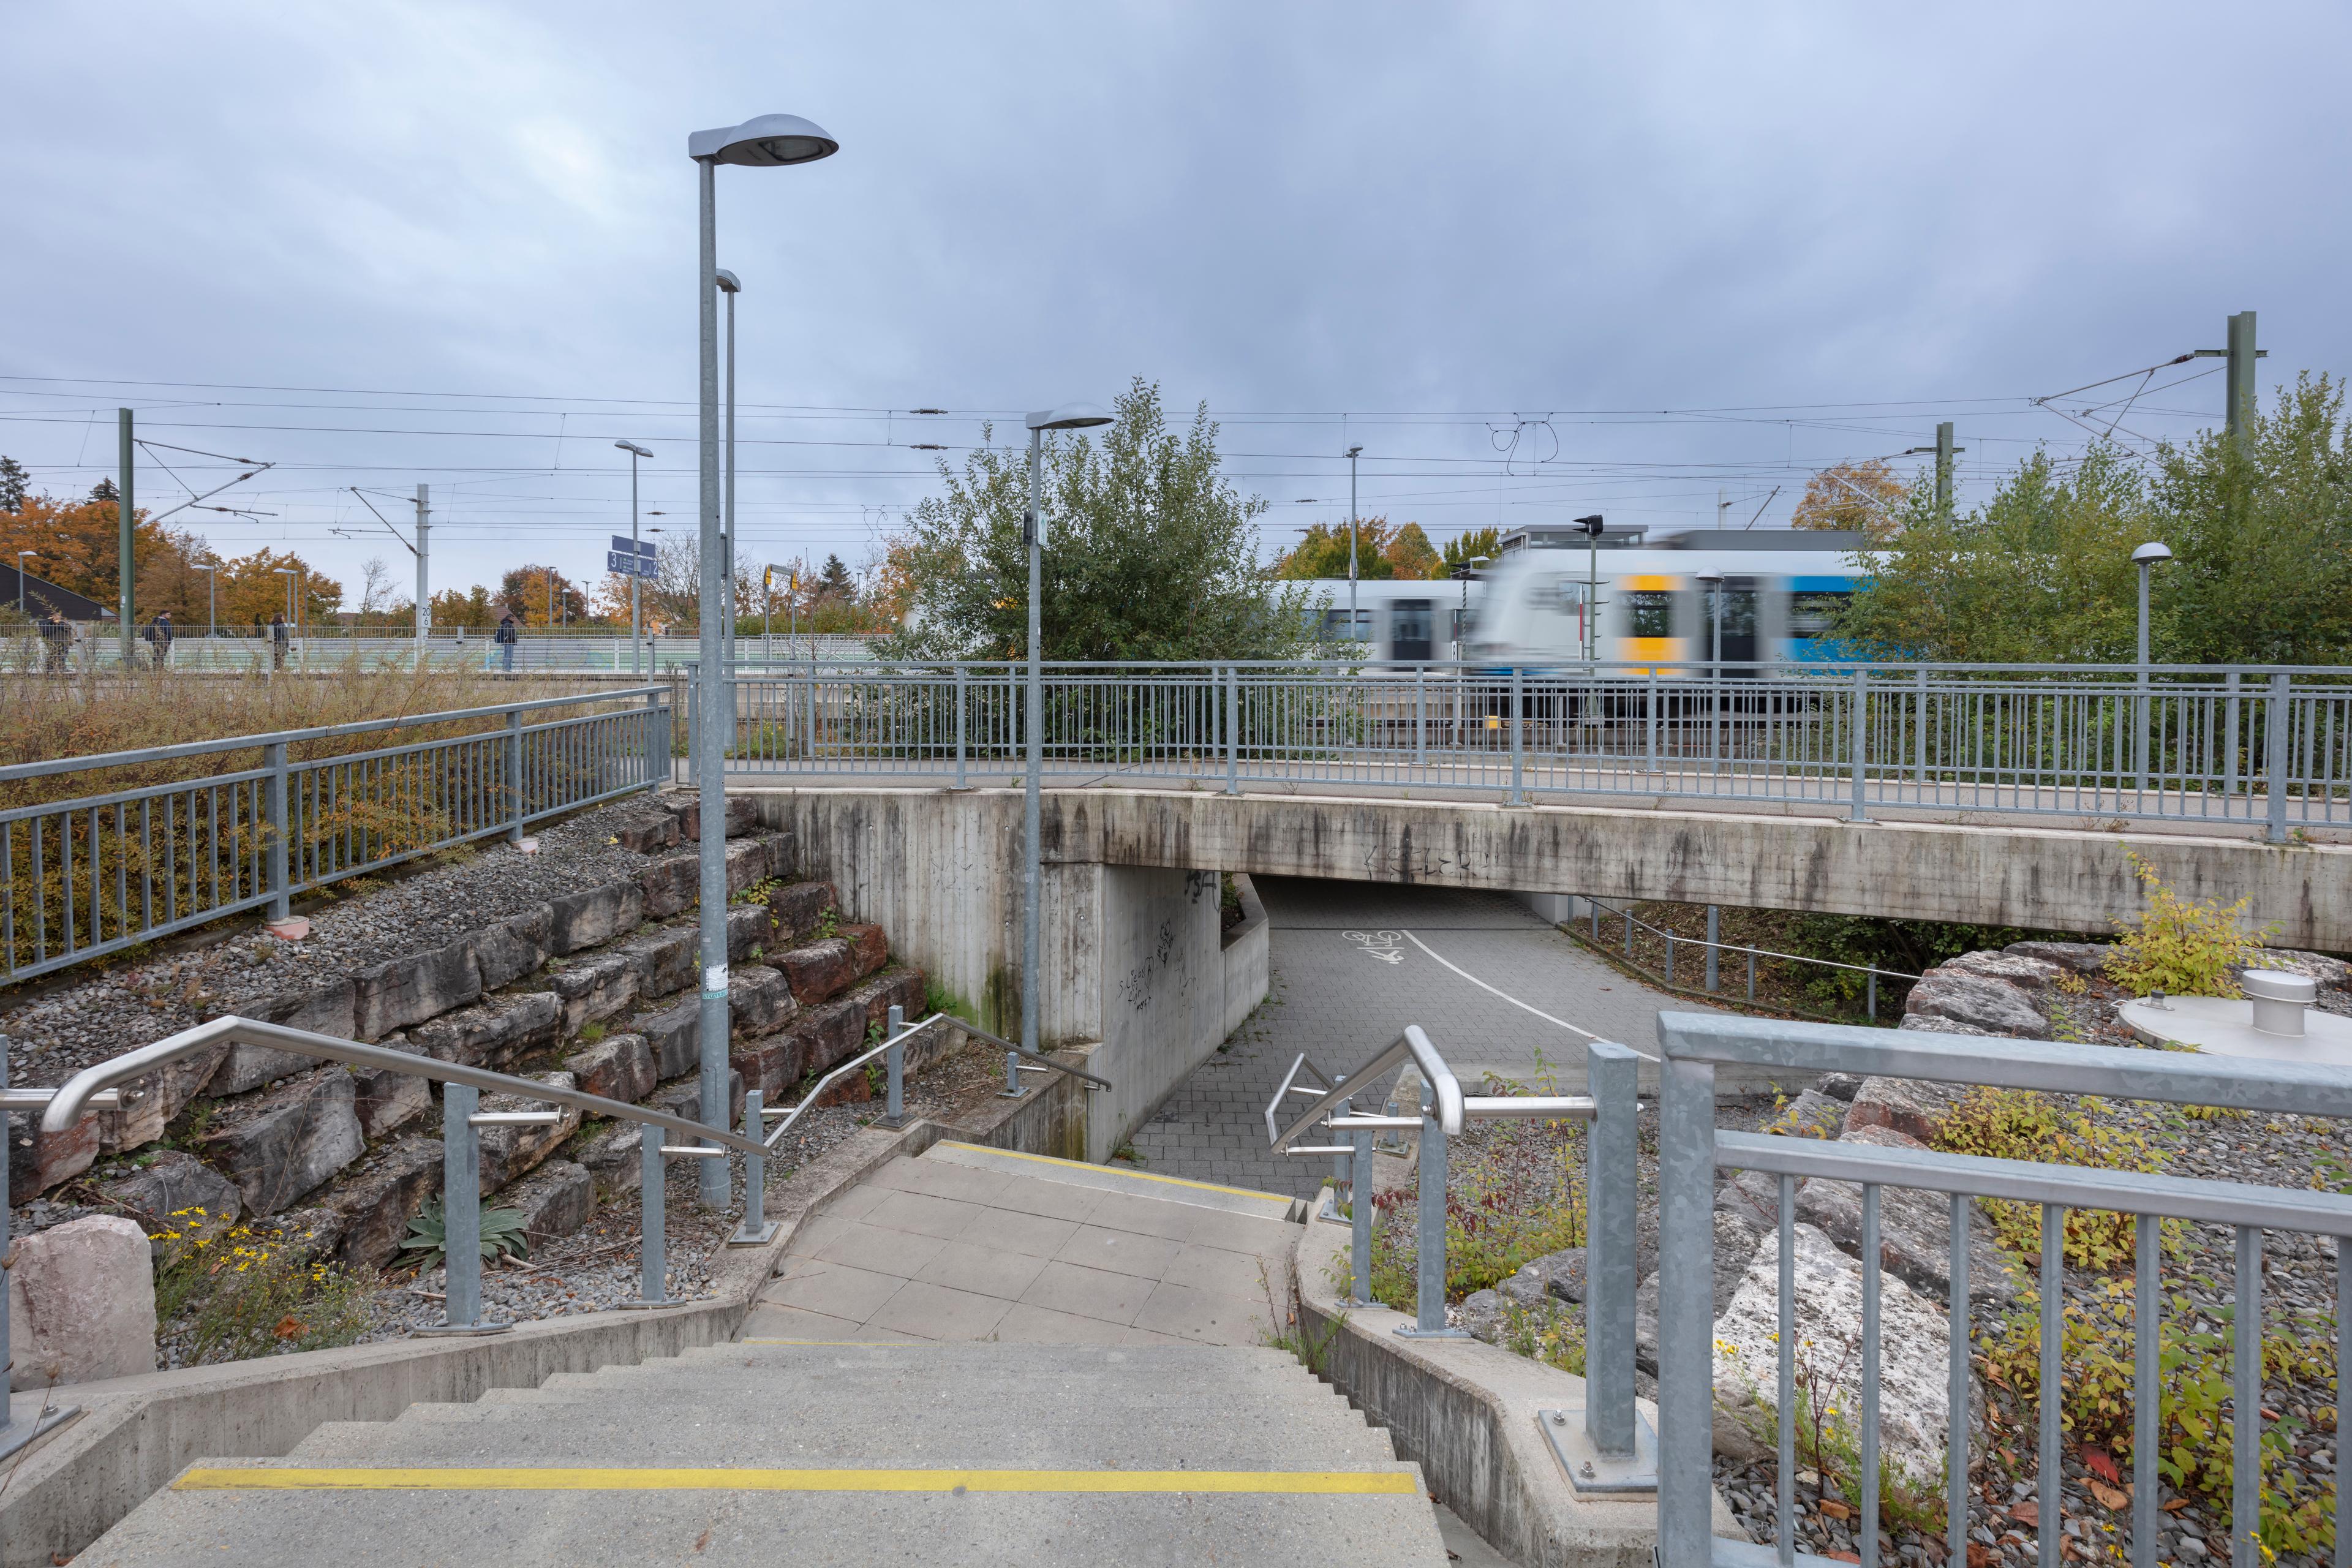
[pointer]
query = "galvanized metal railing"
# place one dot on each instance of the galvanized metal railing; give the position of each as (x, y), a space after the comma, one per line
(2269, 747)
(1691, 1151)
(101, 871)
(1605, 1447)
(463, 1118)
(1713, 950)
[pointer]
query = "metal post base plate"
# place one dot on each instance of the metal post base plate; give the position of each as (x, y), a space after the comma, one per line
(471, 1330)
(1588, 1470)
(20, 1433)
(746, 1235)
(1329, 1213)
(649, 1306)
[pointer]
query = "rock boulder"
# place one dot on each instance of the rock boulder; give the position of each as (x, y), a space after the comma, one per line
(1995, 1006)
(283, 1144)
(81, 1303)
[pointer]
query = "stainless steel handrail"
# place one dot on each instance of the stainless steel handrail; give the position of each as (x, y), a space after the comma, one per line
(66, 1107)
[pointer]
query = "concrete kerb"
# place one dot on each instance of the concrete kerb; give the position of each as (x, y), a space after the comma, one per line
(135, 1434)
(1465, 1412)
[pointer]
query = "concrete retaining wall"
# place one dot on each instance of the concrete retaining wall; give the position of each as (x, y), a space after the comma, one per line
(1249, 960)
(2059, 878)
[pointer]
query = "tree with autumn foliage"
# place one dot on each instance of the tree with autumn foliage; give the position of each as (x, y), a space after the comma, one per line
(75, 545)
(1383, 550)
(1864, 498)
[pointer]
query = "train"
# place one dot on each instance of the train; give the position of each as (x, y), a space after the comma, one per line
(1643, 605)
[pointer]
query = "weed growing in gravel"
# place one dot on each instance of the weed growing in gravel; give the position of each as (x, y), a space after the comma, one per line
(591, 1033)
(828, 924)
(1496, 1223)
(2195, 1435)
(1551, 1333)
(2022, 1124)
(2181, 947)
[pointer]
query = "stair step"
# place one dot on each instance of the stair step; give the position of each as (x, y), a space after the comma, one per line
(586, 1526)
(1240, 1201)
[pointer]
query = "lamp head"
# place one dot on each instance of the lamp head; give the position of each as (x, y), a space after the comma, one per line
(767, 141)
(728, 282)
(1070, 416)
(633, 448)
(1591, 525)
(1710, 577)
(1353, 450)
(2148, 555)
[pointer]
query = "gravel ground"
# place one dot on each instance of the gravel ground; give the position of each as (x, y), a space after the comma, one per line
(599, 1268)
(58, 1029)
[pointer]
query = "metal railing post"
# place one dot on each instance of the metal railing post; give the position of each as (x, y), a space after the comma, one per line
(461, 1212)
(1232, 730)
(1610, 1156)
(1420, 715)
(1429, 1296)
(1686, 1312)
(2276, 737)
(1860, 738)
(281, 889)
(1650, 708)
(693, 725)
(2229, 740)
(1011, 1075)
(757, 1226)
(960, 724)
(1518, 728)
(1343, 1170)
(514, 773)
(653, 1212)
(1360, 1220)
(894, 1068)
(1919, 734)
(657, 739)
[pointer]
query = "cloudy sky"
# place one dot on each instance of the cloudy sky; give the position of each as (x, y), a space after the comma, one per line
(1537, 259)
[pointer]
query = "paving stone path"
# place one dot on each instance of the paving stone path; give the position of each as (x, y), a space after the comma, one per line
(1353, 964)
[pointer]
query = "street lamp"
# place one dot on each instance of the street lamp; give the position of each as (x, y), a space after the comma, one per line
(21, 554)
(770, 140)
(730, 286)
(288, 572)
(1591, 526)
(1070, 416)
(636, 657)
(2145, 558)
(1352, 624)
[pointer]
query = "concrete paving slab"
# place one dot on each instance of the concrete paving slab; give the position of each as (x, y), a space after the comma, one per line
(1207, 1317)
(923, 1214)
(834, 1289)
(1011, 1230)
(1233, 1273)
(937, 1312)
(1089, 1292)
(972, 1184)
(1119, 1251)
(781, 1324)
(982, 1271)
(1154, 1185)
(1025, 1324)
(863, 1246)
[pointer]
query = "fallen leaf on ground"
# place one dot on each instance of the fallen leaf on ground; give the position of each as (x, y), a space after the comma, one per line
(2110, 1497)
(1835, 1508)
(2027, 1512)
(2103, 1464)
(2175, 1506)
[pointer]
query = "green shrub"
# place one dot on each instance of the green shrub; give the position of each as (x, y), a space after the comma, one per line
(2180, 947)
(256, 1292)
(2193, 1367)
(2022, 1124)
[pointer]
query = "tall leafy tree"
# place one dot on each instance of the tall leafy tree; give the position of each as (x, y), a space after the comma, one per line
(1150, 553)
(1383, 549)
(1865, 497)
(1471, 546)
(12, 480)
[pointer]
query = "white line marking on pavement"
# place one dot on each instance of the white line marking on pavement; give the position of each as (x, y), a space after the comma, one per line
(1514, 1001)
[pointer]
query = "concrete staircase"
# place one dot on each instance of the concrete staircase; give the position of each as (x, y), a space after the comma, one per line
(875, 1444)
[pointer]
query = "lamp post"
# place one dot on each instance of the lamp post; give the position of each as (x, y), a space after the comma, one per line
(21, 554)
(2145, 558)
(1591, 526)
(636, 657)
(288, 572)
(730, 286)
(770, 141)
(1352, 624)
(1070, 416)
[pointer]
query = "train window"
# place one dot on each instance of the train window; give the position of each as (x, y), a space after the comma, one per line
(1335, 626)
(1810, 615)
(1649, 613)
(1738, 611)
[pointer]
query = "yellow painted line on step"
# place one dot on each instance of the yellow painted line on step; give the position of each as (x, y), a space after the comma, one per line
(1272, 1199)
(1318, 1483)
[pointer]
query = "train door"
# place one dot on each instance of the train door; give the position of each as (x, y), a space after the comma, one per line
(1649, 618)
(1413, 630)
(1740, 642)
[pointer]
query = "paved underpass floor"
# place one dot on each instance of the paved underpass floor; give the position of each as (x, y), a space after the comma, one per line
(1496, 988)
